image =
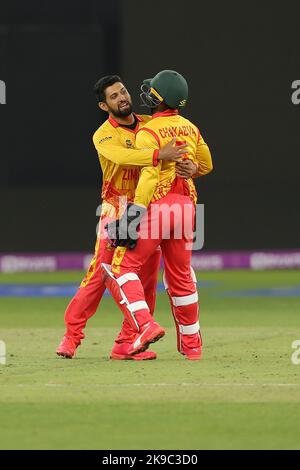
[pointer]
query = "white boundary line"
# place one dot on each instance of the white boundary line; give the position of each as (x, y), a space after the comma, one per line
(173, 385)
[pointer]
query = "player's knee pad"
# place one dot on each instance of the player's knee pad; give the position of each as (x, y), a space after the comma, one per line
(114, 285)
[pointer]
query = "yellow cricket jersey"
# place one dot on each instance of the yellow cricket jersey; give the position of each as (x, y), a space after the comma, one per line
(156, 182)
(121, 163)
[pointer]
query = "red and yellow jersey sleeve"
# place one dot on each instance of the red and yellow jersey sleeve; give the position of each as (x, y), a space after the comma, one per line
(149, 177)
(203, 157)
(109, 145)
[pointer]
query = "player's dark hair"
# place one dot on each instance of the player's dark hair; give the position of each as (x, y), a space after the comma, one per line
(103, 83)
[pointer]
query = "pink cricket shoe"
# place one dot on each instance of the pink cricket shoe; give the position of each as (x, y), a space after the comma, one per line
(193, 354)
(149, 333)
(191, 347)
(120, 353)
(67, 348)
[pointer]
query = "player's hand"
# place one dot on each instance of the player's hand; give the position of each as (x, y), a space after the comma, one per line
(124, 231)
(171, 152)
(186, 169)
(112, 230)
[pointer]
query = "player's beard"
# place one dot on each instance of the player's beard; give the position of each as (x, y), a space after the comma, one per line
(119, 112)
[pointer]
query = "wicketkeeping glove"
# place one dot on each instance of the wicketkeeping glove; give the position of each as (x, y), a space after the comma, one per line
(124, 231)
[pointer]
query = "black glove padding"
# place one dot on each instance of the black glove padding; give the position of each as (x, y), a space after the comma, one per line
(124, 231)
(112, 232)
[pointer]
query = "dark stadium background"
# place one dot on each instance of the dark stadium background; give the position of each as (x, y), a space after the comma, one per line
(240, 59)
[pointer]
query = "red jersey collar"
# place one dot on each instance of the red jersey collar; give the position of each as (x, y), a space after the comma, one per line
(167, 112)
(114, 123)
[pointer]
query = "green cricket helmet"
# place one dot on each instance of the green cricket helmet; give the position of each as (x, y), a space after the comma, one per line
(167, 87)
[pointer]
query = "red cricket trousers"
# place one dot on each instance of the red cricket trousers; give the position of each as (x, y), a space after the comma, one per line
(169, 224)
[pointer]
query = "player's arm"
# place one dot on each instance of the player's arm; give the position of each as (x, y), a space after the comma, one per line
(202, 158)
(111, 148)
(149, 176)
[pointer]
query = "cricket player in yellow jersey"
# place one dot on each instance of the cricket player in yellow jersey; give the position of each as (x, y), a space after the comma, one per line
(168, 223)
(121, 164)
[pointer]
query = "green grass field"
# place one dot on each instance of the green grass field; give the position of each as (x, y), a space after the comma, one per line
(243, 394)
